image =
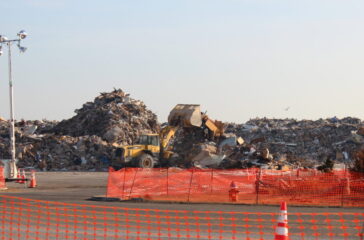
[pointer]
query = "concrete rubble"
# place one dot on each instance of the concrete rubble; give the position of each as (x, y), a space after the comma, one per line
(359, 155)
(304, 143)
(114, 116)
(88, 140)
(83, 142)
(359, 160)
(275, 144)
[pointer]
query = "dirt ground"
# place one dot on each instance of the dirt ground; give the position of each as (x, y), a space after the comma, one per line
(79, 187)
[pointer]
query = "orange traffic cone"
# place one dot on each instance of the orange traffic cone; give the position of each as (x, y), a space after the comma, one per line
(233, 192)
(22, 177)
(33, 182)
(282, 227)
(2, 179)
(18, 177)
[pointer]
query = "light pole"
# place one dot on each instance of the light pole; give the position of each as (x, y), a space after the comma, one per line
(4, 40)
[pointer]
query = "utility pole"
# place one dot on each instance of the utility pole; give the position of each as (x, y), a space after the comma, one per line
(13, 168)
(3, 40)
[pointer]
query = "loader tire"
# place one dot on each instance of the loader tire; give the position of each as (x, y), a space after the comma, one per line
(146, 161)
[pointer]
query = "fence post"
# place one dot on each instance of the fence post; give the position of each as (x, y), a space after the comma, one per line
(167, 181)
(132, 185)
(345, 189)
(122, 195)
(189, 190)
(212, 179)
(342, 193)
(257, 185)
(108, 180)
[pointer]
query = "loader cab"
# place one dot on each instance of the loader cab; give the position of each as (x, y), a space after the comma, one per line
(150, 139)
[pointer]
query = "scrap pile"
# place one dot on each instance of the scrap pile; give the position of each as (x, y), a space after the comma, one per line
(114, 116)
(89, 140)
(228, 151)
(359, 155)
(84, 142)
(359, 160)
(275, 144)
(303, 143)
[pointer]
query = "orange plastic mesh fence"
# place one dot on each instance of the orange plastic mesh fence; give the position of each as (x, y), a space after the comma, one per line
(32, 219)
(253, 186)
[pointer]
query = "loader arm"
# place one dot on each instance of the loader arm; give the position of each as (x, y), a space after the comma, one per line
(166, 135)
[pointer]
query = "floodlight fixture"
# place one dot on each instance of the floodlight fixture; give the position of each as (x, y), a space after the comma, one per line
(21, 48)
(3, 38)
(22, 34)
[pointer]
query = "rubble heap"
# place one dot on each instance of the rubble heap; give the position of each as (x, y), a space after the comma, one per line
(227, 151)
(83, 142)
(275, 144)
(88, 140)
(113, 116)
(305, 142)
(359, 155)
(359, 160)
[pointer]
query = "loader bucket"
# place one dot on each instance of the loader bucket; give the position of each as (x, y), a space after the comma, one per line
(186, 115)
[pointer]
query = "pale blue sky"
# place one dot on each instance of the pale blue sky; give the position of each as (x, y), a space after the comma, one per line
(239, 59)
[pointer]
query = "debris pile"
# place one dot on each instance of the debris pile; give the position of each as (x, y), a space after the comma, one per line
(89, 140)
(359, 155)
(359, 160)
(83, 142)
(227, 152)
(276, 144)
(66, 153)
(303, 143)
(114, 116)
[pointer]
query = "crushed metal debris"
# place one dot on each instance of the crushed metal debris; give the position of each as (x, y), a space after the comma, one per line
(89, 140)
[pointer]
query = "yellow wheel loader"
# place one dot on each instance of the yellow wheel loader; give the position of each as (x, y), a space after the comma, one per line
(151, 150)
